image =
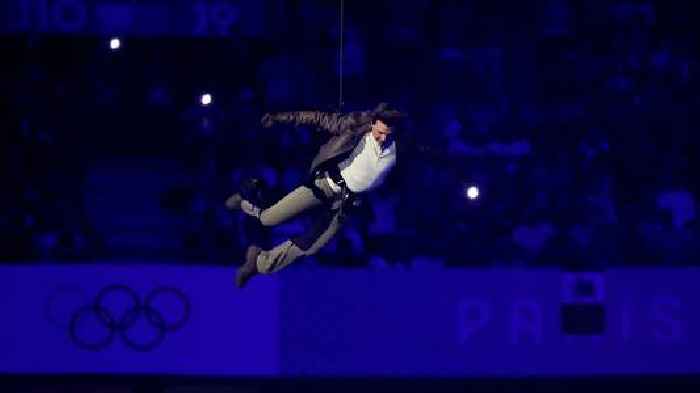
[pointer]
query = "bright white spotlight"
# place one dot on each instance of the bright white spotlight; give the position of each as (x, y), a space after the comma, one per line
(473, 192)
(115, 43)
(205, 99)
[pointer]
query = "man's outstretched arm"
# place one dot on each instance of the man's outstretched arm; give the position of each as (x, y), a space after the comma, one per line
(334, 123)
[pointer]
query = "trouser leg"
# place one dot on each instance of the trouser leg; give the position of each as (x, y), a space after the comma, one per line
(308, 244)
(326, 225)
(292, 204)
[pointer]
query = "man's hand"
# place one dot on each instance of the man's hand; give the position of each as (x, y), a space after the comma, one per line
(267, 120)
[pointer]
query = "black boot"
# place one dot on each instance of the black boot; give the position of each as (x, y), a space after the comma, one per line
(249, 268)
(252, 190)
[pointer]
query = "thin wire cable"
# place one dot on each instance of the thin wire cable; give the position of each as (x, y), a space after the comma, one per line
(340, 62)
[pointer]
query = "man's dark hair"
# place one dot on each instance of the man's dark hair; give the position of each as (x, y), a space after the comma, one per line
(391, 117)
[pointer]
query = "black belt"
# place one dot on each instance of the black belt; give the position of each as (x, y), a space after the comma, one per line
(334, 174)
(349, 198)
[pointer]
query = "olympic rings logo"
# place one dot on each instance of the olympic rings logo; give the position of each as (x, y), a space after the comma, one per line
(110, 322)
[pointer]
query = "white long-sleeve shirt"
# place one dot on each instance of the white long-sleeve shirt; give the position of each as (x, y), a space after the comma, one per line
(367, 165)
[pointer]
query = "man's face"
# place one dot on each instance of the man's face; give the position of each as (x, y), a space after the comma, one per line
(380, 132)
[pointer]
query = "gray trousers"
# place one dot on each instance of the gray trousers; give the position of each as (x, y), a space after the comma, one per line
(299, 200)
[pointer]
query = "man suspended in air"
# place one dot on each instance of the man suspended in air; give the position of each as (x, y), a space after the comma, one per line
(360, 153)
